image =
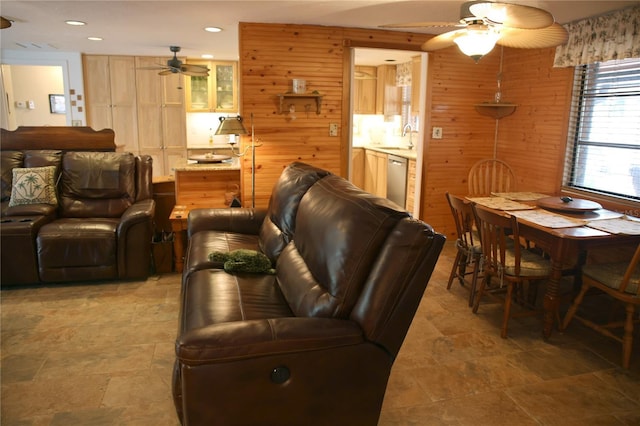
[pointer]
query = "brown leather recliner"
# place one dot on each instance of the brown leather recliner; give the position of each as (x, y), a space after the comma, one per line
(101, 228)
(314, 343)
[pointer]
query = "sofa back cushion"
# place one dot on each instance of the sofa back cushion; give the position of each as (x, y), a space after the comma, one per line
(97, 184)
(9, 160)
(279, 225)
(340, 231)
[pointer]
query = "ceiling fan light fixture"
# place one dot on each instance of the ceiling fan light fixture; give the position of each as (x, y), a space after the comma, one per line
(477, 43)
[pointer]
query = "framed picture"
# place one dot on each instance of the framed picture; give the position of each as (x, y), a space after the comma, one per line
(57, 104)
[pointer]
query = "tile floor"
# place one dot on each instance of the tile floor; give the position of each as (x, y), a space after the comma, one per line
(102, 354)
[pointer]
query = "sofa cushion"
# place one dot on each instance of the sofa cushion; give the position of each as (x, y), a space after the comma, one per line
(97, 184)
(279, 225)
(340, 230)
(35, 185)
(212, 296)
(9, 160)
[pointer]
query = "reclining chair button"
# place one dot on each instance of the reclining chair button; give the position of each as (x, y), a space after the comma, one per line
(280, 375)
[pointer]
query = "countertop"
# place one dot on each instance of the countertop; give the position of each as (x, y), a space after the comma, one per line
(410, 154)
(190, 167)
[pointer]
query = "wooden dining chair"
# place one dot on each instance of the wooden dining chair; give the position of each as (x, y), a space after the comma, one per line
(468, 246)
(490, 175)
(507, 266)
(621, 281)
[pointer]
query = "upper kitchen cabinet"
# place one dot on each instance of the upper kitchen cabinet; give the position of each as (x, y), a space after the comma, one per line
(110, 90)
(389, 94)
(161, 115)
(216, 93)
(364, 90)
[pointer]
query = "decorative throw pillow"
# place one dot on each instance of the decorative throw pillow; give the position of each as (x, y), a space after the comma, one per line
(243, 260)
(34, 185)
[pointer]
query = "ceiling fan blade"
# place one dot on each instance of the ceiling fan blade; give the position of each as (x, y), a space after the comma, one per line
(167, 72)
(552, 36)
(4, 22)
(194, 68)
(442, 41)
(512, 15)
(423, 24)
(195, 73)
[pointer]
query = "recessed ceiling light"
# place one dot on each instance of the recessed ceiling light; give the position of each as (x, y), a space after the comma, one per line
(213, 29)
(207, 56)
(70, 22)
(95, 38)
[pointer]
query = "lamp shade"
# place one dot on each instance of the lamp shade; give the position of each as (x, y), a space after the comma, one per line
(477, 42)
(231, 126)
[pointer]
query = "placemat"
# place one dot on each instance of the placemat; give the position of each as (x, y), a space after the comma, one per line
(500, 203)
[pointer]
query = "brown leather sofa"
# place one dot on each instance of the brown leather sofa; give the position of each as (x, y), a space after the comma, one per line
(313, 344)
(97, 227)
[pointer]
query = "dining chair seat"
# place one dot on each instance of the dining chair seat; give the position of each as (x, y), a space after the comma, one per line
(621, 281)
(531, 264)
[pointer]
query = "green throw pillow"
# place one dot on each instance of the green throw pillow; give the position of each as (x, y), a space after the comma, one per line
(243, 260)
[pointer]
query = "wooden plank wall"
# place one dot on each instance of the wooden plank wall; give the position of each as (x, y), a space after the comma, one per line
(533, 140)
(273, 54)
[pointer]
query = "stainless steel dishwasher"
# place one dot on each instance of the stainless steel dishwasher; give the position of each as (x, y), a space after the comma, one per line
(397, 180)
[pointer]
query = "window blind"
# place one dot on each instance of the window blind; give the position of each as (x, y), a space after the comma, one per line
(604, 134)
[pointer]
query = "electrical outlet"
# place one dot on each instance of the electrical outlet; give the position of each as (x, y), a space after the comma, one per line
(333, 129)
(436, 133)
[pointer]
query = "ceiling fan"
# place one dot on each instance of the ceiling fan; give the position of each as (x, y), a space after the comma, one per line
(175, 65)
(484, 24)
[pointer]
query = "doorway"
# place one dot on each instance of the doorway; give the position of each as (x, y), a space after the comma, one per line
(380, 123)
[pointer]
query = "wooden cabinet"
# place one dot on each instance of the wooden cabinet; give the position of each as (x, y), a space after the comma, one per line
(411, 185)
(416, 72)
(161, 116)
(357, 167)
(110, 90)
(203, 187)
(375, 175)
(216, 93)
(364, 90)
(388, 95)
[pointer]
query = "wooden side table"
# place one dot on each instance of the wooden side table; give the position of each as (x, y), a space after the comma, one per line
(178, 219)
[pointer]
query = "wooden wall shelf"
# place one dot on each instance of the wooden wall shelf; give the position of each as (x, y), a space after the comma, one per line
(495, 110)
(294, 96)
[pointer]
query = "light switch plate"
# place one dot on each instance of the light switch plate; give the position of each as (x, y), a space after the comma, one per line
(333, 129)
(436, 133)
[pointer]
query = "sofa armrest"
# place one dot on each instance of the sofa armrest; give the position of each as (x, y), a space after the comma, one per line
(134, 240)
(239, 220)
(230, 341)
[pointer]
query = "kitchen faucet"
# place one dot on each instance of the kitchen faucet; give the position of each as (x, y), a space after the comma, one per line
(404, 133)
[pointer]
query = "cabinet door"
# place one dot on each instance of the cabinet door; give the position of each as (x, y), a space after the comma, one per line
(97, 91)
(381, 174)
(411, 185)
(149, 100)
(389, 95)
(225, 89)
(370, 171)
(216, 93)
(174, 121)
(357, 167)
(122, 72)
(364, 90)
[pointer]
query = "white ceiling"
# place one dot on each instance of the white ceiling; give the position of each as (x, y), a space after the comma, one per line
(148, 28)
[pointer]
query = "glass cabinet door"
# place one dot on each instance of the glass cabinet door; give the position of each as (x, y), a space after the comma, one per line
(216, 93)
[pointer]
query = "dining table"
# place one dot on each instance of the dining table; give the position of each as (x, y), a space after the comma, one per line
(566, 229)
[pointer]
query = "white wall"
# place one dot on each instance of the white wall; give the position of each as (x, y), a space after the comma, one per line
(72, 77)
(29, 93)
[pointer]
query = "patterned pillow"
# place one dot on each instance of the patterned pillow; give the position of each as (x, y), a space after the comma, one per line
(34, 185)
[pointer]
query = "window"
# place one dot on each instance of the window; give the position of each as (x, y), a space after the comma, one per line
(604, 149)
